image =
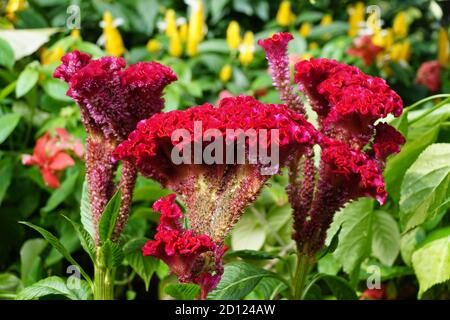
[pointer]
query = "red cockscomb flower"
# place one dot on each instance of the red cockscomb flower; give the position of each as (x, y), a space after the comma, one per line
(353, 149)
(191, 257)
(364, 48)
(150, 147)
(429, 75)
(347, 101)
(112, 100)
(51, 157)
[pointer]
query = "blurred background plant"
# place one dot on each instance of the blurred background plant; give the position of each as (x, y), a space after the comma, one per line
(211, 45)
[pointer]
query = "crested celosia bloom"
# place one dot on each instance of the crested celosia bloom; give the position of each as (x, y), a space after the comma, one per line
(51, 155)
(215, 194)
(429, 75)
(364, 48)
(112, 100)
(348, 103)
(275, 48)
(191, 257)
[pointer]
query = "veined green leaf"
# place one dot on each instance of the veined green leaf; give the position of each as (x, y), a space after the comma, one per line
(54, 286)
(183, 291)
(109, 217)
(8, 123)
(58, 246)
(425, 189)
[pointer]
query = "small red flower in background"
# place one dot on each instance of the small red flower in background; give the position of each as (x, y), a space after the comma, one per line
(429, 75)
(191, 257)
(364, 48)
(375, 294)
(50, 155)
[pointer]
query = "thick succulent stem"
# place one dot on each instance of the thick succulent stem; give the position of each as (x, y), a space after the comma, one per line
(301, 273)
(103, 280)
(126, 186)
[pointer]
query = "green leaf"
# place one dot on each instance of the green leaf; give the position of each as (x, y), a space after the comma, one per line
(85, 211)
(26, 81)
(8, 283)
(409, 243)
(248, 233)
(111, 254)
(355, 238)
(143, 266)
(8, 123)
(30, 259)
(109, 217)
(61, 194)
(26, 41)
(416, 142)
(340, 288)
(328, 265)
(183, 291)
(6, 54)
(58, 246)
(54, 286)
(432, 264)
(6, 171)
(56, 89)
(238, 280)
(425, 189)
(386, 238)
(250, 254)
(85, 238)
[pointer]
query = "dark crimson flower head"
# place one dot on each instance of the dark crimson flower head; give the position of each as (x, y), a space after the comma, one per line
(352, 170)
(276, 45)
(191, 257)
(347, 101)
(276, 49)
(215, 193)
(113, 99)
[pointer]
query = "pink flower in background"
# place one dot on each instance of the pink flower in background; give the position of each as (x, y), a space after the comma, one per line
(364, 48)
(429, 75)
(51, 155)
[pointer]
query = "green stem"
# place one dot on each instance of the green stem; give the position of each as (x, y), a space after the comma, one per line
(418, 103)
(301, 273)
(103, 281)
(437, 106)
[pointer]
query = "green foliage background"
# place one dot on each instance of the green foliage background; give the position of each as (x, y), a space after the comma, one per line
(406, 241)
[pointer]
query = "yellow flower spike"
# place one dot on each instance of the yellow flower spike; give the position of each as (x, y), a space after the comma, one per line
(113, 40)
(305, 29)
(183, 30)
(372, 23)
(175, 47)
(400, 51)
(313, 46)
(75, 33)
(196, 27)
(326, 20)
(153, 46)
(356, 17)
(443, 47)
(50, 56)
(247, 48)
(171, 22)
(285, 16)
(233, 35)
(225, 73)
(400, 25)
(14, 6)
(406, 50)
